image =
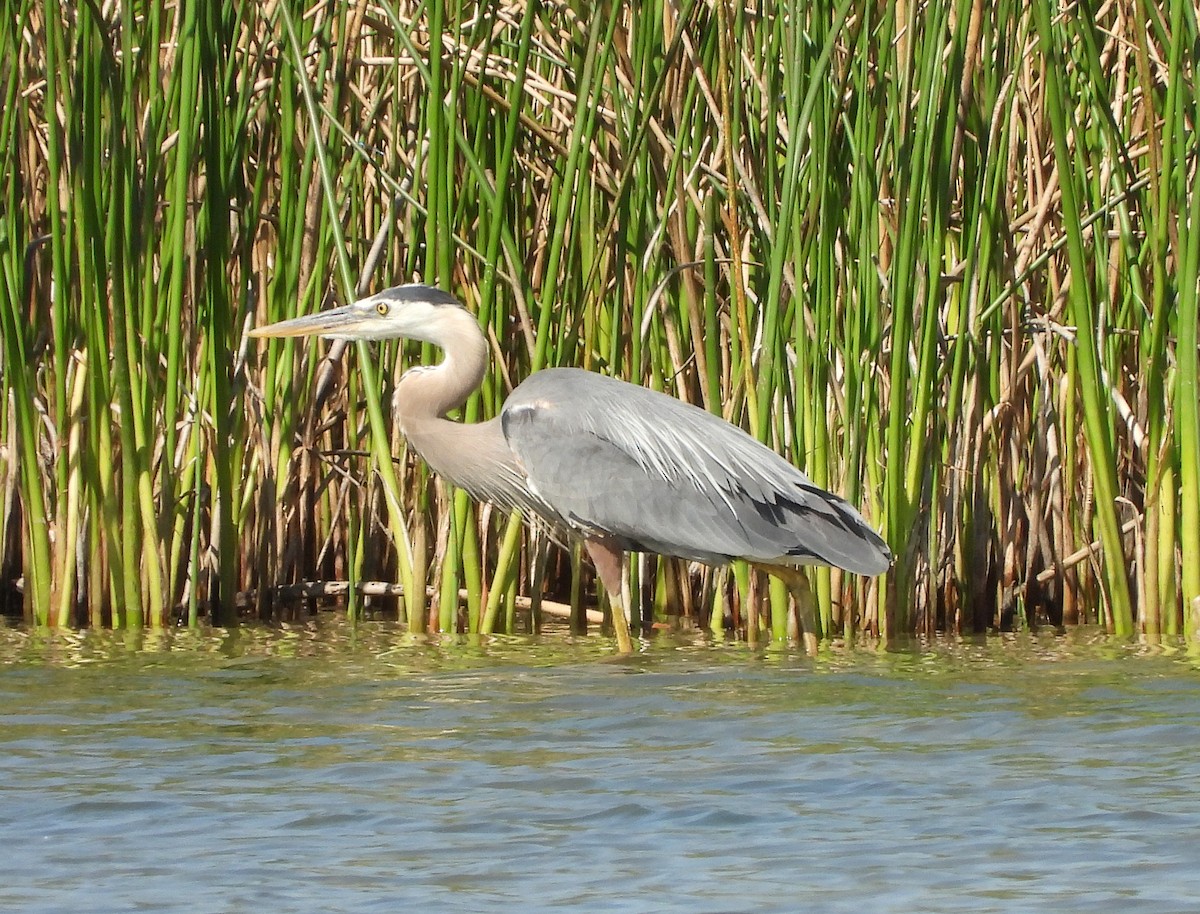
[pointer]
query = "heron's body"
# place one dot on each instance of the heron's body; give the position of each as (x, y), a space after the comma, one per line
(731, 497)
(622, 467)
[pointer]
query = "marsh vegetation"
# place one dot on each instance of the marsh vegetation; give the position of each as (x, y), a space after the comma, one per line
(943, 256)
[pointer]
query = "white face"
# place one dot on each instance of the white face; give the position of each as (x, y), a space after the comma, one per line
(411, 316)
(380, 318)
(412, 312)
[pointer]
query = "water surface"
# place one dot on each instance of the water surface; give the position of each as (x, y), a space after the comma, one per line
(326, 769)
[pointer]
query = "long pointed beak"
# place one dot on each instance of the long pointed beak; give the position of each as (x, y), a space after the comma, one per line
(336, 323)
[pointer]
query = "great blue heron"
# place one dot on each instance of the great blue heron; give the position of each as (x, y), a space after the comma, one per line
(622, 467)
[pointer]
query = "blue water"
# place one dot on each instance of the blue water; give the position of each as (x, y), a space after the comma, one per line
(331, 770)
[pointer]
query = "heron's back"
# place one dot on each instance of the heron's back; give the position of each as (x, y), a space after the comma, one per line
(660, 475)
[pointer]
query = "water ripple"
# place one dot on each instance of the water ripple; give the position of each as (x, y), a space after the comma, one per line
(229, 773)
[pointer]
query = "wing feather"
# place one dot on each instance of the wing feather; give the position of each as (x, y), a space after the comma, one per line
(664, 476)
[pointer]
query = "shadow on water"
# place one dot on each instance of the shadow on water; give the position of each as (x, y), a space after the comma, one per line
(333, 768)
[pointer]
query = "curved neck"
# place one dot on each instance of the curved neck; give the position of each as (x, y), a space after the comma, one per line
(429, 392)
(475, 457)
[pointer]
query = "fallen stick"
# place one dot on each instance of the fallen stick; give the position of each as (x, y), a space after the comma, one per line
(385, 589)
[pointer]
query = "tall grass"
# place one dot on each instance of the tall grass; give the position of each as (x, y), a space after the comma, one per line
(942, 256)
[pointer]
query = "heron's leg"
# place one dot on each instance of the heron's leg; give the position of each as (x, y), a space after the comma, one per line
(538, 575)
(797, 584)
(606, 556)
(806, 610)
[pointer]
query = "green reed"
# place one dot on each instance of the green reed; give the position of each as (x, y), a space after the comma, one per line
(938, 255)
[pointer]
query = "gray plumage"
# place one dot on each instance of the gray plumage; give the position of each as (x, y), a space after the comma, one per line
(661, 475)
(621, 466)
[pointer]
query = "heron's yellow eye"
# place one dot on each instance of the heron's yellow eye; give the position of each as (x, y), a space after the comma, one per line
(381, 309)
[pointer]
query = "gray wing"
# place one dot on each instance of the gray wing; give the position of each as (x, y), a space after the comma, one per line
(663, 476)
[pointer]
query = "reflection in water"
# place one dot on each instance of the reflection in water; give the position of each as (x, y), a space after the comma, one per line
(334, 769)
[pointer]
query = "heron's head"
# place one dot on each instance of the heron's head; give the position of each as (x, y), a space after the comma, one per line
(413, 311)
